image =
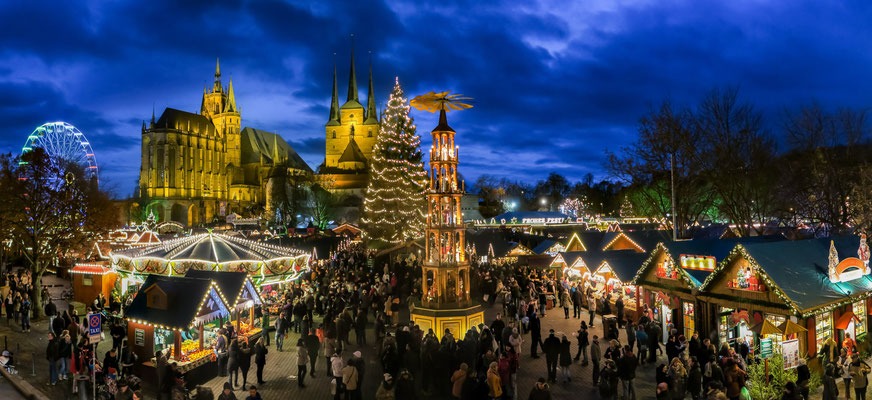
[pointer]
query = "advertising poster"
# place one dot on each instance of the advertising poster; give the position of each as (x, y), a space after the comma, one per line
(790, 349)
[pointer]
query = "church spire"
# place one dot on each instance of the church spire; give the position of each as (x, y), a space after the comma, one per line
(334, 103)
(352, 78)
(217, 86)
(371, 113)
(230, 105)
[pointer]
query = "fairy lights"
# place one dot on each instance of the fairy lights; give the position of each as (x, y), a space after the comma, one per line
(395, 202)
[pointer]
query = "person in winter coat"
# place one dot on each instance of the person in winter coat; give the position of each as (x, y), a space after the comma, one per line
(583, 342)
(608, 384)
(233, 363)
(540, 391)
(385, 391)
(831, 389)
(694, 379)
(565, 359)
(565, 302)
(457, 380)
(803, 376)
(52, 354)
(244, 359)
(404, 389)
(551, 346)
(302, 362)
(859, 376)
(227, 392)
(260, 352)
(677, 379)
(494, 383)
(642, 340)
(595, 357)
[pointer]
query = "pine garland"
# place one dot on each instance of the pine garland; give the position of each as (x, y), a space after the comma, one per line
(395, 198)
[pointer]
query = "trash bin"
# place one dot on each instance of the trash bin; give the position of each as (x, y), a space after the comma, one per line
(610, 326)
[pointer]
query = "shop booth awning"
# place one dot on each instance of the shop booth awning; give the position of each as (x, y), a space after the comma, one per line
(766, 328)
(790, 328)
(845, 320)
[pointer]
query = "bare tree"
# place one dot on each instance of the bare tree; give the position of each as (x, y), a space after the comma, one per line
(828, 150)
(736, 155)
(54, 210)
(666, 144)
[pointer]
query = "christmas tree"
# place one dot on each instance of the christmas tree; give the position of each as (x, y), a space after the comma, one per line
(393, 210)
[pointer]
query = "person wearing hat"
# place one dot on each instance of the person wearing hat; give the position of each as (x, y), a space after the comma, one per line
(385, 391)
(540, 390)
(124, 392)
(227, 392)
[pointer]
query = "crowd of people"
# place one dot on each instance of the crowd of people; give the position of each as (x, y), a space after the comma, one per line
(315, 317)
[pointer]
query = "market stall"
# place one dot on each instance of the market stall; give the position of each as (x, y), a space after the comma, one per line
(572, 265)
(816, 285)
(89, 280)
(179, 316)
(242, 298)
(613, 276)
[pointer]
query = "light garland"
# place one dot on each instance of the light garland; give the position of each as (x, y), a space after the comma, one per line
(623, 235)
(572, 239)
(393, 206)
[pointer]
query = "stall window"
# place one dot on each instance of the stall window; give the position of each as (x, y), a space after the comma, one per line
(689, 325)
(87, 280)
(776, 320)
(860, 312)
(823, 328)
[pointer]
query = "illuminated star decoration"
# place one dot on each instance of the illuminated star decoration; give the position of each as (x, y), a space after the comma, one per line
(433, 102)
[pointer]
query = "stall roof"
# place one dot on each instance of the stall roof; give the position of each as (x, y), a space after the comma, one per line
(624, 263)
(187, 299)
(230, 284)
(543, 246)
(799, 269)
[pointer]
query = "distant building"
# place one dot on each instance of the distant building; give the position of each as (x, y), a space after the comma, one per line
(350, 134)
(196, 168)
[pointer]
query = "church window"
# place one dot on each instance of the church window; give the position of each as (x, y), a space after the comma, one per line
(334, 134)
(369, 134)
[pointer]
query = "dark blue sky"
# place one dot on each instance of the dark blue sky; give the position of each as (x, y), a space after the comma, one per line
(556, 83)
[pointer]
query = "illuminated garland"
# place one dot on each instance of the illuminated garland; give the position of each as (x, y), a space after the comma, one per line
(395, 200)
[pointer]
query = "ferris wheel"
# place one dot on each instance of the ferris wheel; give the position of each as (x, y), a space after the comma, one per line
(62, 140)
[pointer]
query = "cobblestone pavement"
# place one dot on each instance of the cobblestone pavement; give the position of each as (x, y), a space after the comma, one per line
(280, 366)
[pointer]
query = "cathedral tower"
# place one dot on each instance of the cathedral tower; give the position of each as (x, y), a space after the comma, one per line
(219, 106)
(351, 129)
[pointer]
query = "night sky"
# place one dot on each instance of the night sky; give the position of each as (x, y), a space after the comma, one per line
(556, 84)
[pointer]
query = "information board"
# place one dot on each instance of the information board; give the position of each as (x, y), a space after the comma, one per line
(790, 349)
(765, 348)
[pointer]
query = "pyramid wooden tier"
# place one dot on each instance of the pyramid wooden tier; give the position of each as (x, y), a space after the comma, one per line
(265, 263)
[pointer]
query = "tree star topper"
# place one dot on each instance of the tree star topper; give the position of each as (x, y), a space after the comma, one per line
(433, 102)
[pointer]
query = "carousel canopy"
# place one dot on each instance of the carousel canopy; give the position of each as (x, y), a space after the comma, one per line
(211, 247)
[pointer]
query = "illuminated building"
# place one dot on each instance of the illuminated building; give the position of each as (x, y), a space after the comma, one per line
(350, 134)
(199, 167)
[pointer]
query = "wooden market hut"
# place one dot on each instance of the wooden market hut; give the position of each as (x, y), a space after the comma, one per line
(168, 309)
(670, 277)
(241, 294)
(613, 273)
(89, 280)
(817, 284)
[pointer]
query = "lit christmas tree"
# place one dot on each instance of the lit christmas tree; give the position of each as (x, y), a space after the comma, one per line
(393, 210)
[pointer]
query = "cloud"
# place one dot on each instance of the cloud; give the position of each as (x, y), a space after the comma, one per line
(556, 84)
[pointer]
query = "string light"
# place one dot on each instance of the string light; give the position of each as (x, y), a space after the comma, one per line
(394, 202)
